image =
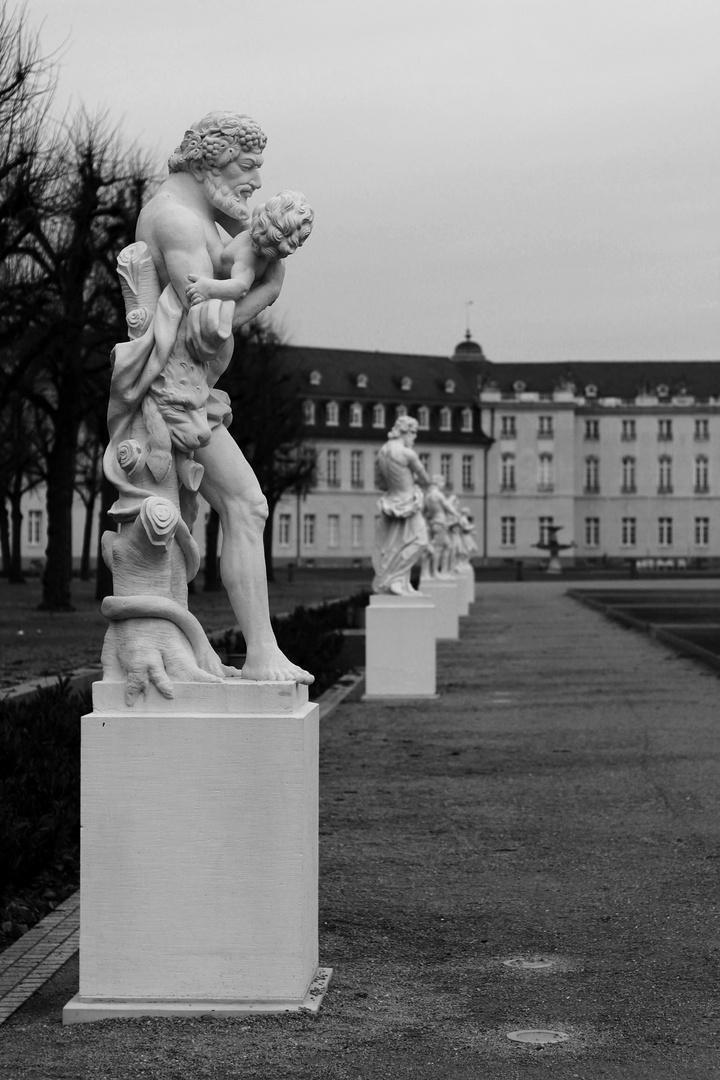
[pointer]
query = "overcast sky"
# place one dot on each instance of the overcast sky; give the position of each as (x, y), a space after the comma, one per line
(555, 162)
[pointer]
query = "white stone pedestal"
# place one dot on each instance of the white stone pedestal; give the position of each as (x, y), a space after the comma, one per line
(199, 852)
(466, 582)
(443, 593)
(400, 647)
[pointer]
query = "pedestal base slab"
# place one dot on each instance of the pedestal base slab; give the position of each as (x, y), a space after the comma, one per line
(400, 648)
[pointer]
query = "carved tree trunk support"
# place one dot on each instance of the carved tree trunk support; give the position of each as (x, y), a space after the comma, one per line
(443, 593)
(199, 853)
(400, 647)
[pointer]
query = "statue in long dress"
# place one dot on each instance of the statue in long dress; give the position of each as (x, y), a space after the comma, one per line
(168, 423)
(401, 538)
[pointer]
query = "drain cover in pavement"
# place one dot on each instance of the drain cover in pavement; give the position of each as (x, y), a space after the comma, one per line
(528, 965)
(538, 1036)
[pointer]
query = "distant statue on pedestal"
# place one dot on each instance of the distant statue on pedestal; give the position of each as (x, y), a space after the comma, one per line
(401, 538)
(553, 547)
(198, 271)
(440, 514)
(467, 545)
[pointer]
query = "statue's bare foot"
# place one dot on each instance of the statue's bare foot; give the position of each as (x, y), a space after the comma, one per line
(269, 664)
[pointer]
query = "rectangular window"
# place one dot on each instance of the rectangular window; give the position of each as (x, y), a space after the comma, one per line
(423, 418)
(592, 430)
(508, 428)
(356, 415)
(308, 533)
(333, 530)
(357, 478)
(665, 475)
(445, 419)
(467, 420)
(468, 472)
(284, 524)
(34, 526)
(702, 430)
(332, 414)
(665, 431)
(425, 461)
(628, 532)
(665, 531)
(332, 461)
(507, 532)
(356, 530)
(628, 431)
(378, 416)
(592, 532)
(545, 524)
(446, 468)
(702, 531)
(545, 427)
(702, 475)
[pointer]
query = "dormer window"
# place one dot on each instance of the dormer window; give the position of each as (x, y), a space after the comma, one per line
(356, 415)
(406, 383)
(308, 412)
(332, 414)
(519, 386)
(445, 419)
(466, 423)
(423, 418)
(591, 391)
(315, 378)
(378, 416)
(663, 390)
(449, 386)
(361, 382)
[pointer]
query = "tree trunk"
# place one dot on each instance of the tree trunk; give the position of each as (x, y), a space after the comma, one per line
(103, 573)
(211, 570)
(15, 573)
(4, 537)
(87, 535)
(57, 577)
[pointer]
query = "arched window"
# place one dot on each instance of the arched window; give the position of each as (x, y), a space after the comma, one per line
(702, 474)
(449, 386)
(467, 420)
(406, 383)
(332, 414)
(592, 475)
(507, 472)
(378, 415)
(401, 410)
(445, 419)
(628, 475)
(664, 474)
(308, 412)
(546, 479)
(423, 418)
(315, 378)
(356, 415)
(361, 382)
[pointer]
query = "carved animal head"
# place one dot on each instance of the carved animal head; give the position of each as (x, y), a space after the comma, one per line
(180, 394)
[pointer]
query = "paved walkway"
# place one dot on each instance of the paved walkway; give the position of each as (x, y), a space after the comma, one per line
(561, 801)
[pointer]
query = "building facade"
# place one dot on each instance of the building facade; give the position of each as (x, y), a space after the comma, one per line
(622, 455)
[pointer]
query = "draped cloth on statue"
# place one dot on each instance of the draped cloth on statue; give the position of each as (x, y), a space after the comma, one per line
(400, 539)
(137, 364)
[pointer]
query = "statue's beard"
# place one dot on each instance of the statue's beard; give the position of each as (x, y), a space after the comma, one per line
(224, 198)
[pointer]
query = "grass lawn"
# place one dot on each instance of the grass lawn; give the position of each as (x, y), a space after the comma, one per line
(36, 643)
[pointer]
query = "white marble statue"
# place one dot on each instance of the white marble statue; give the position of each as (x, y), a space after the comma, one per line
(401, 537)
(440, 514)
(197, 272)
(467, 532)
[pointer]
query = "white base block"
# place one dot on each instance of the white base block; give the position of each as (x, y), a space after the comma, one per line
(466, 582)
(443, 593)
(199, 853)
(400, 647)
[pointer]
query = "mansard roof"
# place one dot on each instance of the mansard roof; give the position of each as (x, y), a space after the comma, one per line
(430, 376)
(624, 379)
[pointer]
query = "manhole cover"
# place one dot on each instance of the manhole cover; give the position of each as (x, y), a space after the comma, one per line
(528, 965)
(537, 1036)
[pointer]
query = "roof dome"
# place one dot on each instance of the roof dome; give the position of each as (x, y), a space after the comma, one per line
(468, 349)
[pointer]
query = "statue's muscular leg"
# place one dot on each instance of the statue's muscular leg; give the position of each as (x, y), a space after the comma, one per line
(231, 488)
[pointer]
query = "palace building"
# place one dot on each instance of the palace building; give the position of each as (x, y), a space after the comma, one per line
(621, 454)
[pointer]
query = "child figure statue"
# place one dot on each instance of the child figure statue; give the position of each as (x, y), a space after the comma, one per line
(278, 228)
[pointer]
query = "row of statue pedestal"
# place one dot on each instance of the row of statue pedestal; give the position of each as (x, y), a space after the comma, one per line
(401, 634)
(199, 858)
